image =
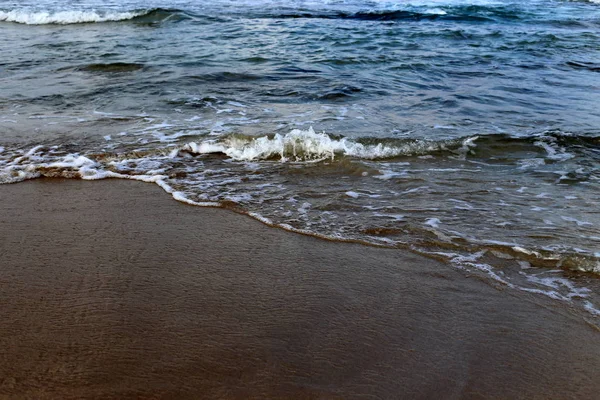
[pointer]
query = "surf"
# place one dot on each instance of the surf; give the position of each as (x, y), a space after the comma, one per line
(70, 17)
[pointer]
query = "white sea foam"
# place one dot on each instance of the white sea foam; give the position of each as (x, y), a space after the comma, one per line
(30, 17)
(526, 251)
(555, 287)
(587, 304)
(433, 222)
(466, 148)
(578, 222)
(531, 163)
(386, 174)
(556, 283)
(554, 152)
(181, 197)
(396, 217)
(437, 11)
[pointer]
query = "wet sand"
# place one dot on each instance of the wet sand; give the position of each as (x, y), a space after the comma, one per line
(111, 289)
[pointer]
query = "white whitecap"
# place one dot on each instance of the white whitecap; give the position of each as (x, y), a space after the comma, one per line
(29, 17)
(308, 145)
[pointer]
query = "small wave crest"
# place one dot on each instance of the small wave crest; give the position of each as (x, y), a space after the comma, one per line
(308, 145)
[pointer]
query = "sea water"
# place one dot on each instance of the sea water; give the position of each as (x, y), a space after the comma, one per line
(468, 131)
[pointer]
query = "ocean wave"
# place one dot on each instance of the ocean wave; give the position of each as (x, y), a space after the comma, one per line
(308, 145)
(442, 12)
(67, 17)
(419, 11)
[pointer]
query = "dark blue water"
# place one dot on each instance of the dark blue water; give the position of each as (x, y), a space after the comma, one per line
(465, 130)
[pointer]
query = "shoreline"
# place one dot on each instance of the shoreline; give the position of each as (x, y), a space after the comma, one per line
(112, 289)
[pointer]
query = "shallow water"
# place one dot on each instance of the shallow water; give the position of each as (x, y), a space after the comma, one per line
(465, 130)
(166, 301)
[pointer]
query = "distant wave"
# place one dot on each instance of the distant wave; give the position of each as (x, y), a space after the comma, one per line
(30, 17)
(435, 11)
(467, 13)
(67, 17)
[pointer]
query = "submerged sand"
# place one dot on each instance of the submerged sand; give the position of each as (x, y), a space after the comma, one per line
(111, 289)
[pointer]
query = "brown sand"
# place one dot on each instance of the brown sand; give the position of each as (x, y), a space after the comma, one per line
(112, 289)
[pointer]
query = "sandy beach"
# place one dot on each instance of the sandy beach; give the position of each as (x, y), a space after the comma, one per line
(111, 289)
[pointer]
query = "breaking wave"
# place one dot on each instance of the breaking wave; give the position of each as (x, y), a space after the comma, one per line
(299, 145)
(308, 145)
(67, 17)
